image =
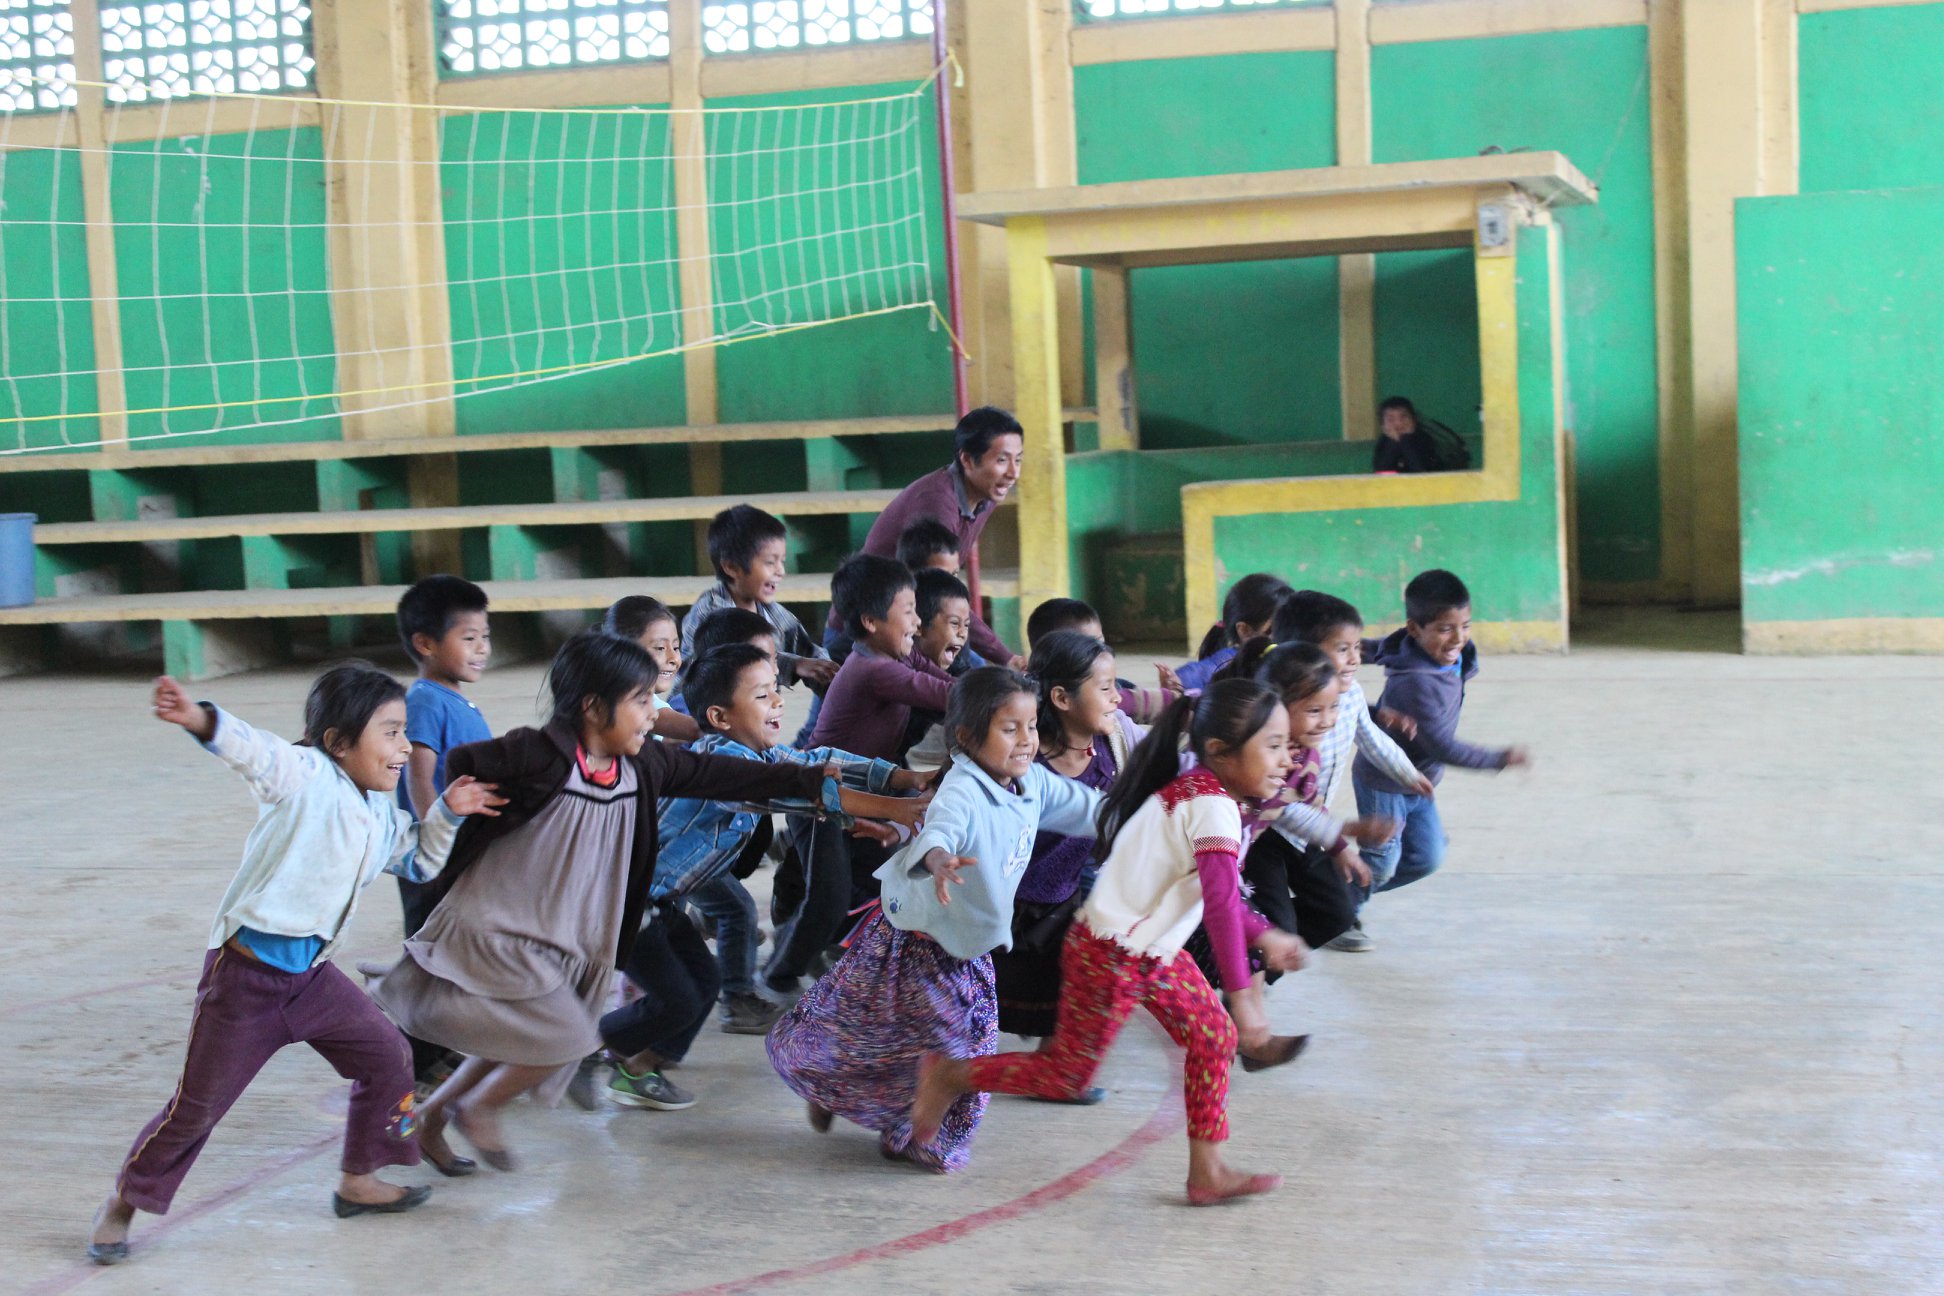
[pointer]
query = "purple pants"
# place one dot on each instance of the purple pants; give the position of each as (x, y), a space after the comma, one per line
(245, 1012)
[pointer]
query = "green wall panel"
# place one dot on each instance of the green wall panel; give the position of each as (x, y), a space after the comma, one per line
(1870, 111)
(798, 267)
(544, 228)
(1841, 321)
(225, 286)
(46, 327)
(1584, 93)
(1508, 552)
(1223, 354)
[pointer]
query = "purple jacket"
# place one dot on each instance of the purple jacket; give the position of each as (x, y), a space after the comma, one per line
(940, 496)
(1432, 695)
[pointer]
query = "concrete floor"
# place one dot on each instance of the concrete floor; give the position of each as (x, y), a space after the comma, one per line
(1666, 1023)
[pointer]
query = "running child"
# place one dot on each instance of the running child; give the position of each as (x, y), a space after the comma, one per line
(512, 968)
(1426, 665)
(327, 824)
(1171, 844)
(649, 623)
(733, 690)
(918, 975)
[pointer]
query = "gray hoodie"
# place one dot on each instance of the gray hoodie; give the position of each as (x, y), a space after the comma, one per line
(1432, 695)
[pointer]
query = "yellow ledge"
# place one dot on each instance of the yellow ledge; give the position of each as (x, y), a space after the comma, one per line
(1844, 635)
(1497, 481)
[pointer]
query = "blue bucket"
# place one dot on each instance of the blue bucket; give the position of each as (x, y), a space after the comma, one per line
(16, 559)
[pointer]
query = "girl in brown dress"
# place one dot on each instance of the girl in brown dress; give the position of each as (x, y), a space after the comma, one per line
(538, 905)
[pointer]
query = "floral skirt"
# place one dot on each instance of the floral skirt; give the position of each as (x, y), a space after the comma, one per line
(852, 1043)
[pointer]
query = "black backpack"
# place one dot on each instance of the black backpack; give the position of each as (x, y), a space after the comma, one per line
(1447, 446)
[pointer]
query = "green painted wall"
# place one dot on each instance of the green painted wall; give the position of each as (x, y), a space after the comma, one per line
(1584, 93)
(1507, 552)
(542, 228)
(890, 364)
(225, 286)
(45, 325)
(1223, 354)
(1841, 320)
(1871, 113)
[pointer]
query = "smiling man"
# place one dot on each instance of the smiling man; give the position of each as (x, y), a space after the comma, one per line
(962, 495)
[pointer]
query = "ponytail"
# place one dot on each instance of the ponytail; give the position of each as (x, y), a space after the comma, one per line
(1214, 641)
(1252, 600)
(1246, 661)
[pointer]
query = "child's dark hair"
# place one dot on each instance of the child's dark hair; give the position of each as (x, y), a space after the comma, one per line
(1254, 600)
(728, 626)
(630, 617)
(1229, 712)
(976, 698)
(1063, 659)
(1058, 614)
(430, 605)
(735, 534)
(924, 540)
(1433, 593)
(1397, 403)
(978, 429)
(866, 586)
(1308, 616)
(933, 588)
(596, 664)
(712, 677)
(343, 700)
(1294, 670)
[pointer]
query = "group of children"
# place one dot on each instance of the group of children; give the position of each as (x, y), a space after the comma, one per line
(966, 848)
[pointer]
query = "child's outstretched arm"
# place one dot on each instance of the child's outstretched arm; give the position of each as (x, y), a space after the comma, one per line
(272, 767)
(1444, 744)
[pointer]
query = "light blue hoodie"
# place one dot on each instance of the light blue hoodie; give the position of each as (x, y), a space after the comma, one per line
(975, 817)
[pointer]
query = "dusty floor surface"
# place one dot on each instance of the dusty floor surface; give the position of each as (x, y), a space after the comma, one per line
(1666, 1023)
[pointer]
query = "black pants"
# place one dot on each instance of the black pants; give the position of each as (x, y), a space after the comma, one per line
(832, 874)
(677, 974)
(1299, 890)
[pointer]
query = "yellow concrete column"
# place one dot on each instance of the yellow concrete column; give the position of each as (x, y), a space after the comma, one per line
(1036, 378)
(111, 398)
(1737, 58)
(690, 140)
(387, 240)
(1119, 422)
(1357, 273)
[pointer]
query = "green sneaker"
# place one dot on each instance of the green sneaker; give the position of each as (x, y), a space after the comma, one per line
(651, 1090)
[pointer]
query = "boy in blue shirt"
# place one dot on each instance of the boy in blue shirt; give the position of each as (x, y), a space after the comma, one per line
(733, 694)
(442, 623)
(1426, 667)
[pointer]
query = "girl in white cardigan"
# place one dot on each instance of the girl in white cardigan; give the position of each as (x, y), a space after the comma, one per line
(1171, 846)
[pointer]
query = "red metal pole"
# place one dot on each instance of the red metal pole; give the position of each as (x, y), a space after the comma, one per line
(948, 182)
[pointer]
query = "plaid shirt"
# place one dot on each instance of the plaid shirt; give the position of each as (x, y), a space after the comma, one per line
(701, 839)
(1308, 824)
(792, 640)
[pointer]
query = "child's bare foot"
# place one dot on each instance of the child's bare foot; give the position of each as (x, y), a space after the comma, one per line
(1230, 1184)
(108, 1242)
(940, 1081)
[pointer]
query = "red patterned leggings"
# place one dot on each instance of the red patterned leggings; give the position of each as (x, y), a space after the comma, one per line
(1101, 984)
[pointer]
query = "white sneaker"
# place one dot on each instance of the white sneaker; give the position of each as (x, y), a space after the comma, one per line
(1354, 941)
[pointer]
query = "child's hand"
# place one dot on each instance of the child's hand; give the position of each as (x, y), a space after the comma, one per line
(816, 671)
(1516, 757)
(910, 811)
(1169, 680)
(945, 868)
(1018, 663)
(176, 707)
(1396, 722)
(871, 830)
(1351, 868)
(1424, 787)
(466, 795)
(1371, 830)
(1282, 952)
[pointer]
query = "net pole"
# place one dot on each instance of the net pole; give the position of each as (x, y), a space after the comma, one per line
(948, 183)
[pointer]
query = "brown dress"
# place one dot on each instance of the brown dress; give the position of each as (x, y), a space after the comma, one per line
(515, 962)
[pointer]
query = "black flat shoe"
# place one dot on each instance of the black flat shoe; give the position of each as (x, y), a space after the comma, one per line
(107, 1253)
(1085, 1098)
(1281, 1049)
(412, 1199)
(455, 1167)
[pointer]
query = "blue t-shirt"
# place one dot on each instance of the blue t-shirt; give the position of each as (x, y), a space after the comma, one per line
(441, 719)
(284, 953)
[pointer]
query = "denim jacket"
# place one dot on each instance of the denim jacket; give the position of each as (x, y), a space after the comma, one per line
(701, 839)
